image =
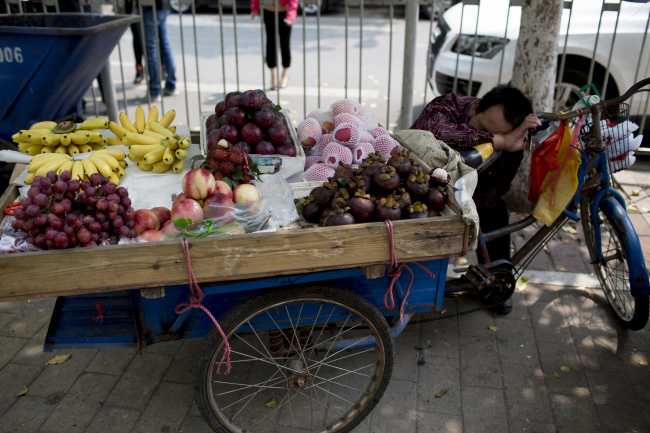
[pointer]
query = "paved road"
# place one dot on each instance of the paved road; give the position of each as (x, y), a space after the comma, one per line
(374, 63)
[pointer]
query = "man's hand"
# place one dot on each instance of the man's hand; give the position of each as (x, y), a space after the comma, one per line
(514, 141)
(254, 15)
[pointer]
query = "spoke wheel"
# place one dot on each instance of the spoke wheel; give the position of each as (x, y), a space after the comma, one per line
(286, 374)
(612, 270)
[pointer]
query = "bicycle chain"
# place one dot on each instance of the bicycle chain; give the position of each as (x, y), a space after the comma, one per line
(449, 316)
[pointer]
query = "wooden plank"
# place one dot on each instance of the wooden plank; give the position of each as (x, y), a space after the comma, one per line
(89, 270)
(10, 194)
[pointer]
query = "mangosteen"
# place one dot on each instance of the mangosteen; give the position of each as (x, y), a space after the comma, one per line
(324, 216)
(372, 164)
(435, 198)
(340, 217)
(361, 205)
(324, 194)
(344, 170)
(359, 182)
(417, 183)
(433, 213)
(386, 179)
(402, 197)
(312, 210)
(341, 194)
(417, 210)
(401, 163)
(440, 177)
(388, 209)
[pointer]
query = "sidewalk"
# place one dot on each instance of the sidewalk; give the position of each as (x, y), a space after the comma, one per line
(503, 381)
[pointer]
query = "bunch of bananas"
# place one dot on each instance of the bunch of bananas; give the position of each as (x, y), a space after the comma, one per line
(141, 125)
(107, 162)
(62, 138)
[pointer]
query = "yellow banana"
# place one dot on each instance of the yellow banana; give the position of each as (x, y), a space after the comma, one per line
(25, 133)
(168, 156)
(89, 167)
(50, 166)
(135, 158)
(114, 178)
(36, 138)
(152, 117)
(157, 127)
(123, 163)
(167, 119)
(47, 149)
(96, 146)
(102, 166)
(183, 142)
(29, 178)
(160, 167)
(112, 162)
(96, 136)
(24, 146)
(153, 134)
(145, 167)
(115, 153)
(44, 157)
(35, 164)
(126, 123)
(51, 140)
(172, 129)
(126, 142)
(16, 138)
(155, 155)
(86, 178)
(141, 151)
(117, 129)
(65, 139)
(119, 171)
(139, 119)
(61, 149)
(178, 165)
(181, 153)
(73, 149)
(112, 141)
(96, 123)
(66, 166)
(44, 125)
(77, 170)
(143, 139)
(80, 137)
(84, 148)
(34, 150)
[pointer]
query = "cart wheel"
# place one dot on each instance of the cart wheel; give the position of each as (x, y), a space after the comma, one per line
(285, 373)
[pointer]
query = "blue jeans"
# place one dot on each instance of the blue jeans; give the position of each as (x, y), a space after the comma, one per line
(165, 50)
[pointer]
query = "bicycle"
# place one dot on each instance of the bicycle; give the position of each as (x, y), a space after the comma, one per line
(613, 244)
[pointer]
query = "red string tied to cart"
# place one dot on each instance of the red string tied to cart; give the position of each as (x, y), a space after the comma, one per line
(395, 271)
(573, 144)
(196, 296)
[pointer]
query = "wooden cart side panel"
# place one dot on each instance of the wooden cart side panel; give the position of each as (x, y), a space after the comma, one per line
(88, 270)
(10, 194)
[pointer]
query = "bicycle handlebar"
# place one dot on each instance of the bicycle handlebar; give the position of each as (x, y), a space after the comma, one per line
(599, 106)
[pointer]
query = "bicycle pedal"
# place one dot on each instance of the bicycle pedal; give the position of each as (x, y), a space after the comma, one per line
(461, 269)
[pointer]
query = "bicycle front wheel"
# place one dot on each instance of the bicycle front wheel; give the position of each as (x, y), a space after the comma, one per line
(612, 269)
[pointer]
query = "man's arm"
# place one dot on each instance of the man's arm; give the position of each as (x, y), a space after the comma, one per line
(442, 119)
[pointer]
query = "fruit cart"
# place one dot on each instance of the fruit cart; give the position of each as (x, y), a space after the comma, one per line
(303, 311)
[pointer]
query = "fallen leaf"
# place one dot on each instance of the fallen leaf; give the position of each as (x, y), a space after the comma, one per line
(521, 284)
(563, 269)
(443, 311)
(566, 369)
(462, 261)
(556, 375)
(636, 193)
(643, 362)
(493, 328)
(442, 393)
(569, 230)
(58, 359)
(22, 391)
(566, 241)
(527, 420)
(29, 301)
(273, 403)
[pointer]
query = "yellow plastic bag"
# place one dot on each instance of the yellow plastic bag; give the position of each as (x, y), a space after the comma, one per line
(559, 186)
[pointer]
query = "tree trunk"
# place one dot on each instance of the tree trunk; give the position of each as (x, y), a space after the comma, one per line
(534, 73)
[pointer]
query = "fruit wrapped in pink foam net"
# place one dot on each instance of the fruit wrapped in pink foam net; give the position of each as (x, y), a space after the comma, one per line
(309, 132)
(365, 137)
(346, 134)
(361, 152)
(345, 106)
(322, 144)
(311, 160)
(314, 113)
(346, 118)
(326, 120)
(376, 132)
(319, 173)
(385, 146)
(365, 124)
(335, 153)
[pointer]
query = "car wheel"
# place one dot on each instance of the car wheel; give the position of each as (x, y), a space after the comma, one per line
(176, 6)
(312, 9)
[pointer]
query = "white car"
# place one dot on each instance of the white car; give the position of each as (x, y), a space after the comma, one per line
(580, 48)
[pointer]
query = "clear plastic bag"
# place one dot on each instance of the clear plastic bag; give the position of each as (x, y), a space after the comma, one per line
(12, 241)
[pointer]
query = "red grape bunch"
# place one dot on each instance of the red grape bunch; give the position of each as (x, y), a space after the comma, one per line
(59, 212)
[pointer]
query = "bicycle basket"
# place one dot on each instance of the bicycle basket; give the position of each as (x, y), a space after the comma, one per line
(616, 131)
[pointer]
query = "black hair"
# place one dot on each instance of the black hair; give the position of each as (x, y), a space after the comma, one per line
(516, 105)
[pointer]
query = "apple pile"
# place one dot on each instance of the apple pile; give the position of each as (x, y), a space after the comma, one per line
(379, 189)
(251, 122)
(345, 134)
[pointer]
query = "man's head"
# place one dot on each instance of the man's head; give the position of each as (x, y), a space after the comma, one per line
(500, 111)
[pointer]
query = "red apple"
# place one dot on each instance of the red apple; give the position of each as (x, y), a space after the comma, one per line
(245, 193)
(218, 205)
(153, 236)
(187, 209)
(170, 230)
(222, 187)
(198, 183)
(179, 198)
(145, 220)
(162, 213)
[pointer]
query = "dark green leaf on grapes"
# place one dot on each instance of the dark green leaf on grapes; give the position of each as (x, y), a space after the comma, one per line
(277, 108)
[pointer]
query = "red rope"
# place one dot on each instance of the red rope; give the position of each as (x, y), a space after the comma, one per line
(196, 296)
(395, 271)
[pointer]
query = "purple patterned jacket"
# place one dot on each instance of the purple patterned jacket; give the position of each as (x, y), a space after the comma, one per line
(446, 118)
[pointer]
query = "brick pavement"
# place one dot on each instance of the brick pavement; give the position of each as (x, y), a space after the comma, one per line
(498, 381)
